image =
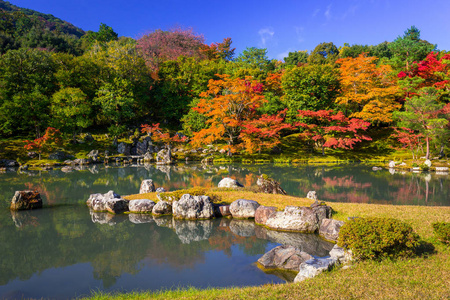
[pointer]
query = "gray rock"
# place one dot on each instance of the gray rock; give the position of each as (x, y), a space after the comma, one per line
(341, 255)
(97, 202)
(311, 195)
(88, 138)
(269, 186)
(24, 200)
(329, 229)
(193, 207)
(314, 267)
(162, 208)
(243, 209)
(147, 186)
(164, 157)
(192, 231)
(141, 206)
(163, 221)
(293, 218)
(262, 213)
(32, 154)
(441, 169)
(245, 228)
(148, 157)
(141, 148)
(93, 155)
(377, 168)
(140, 218)
(284, 257)
(427, 163)
(116, 206)
(392, 164)
(322, 211)
(82, 161)
(60, 155)
(229, 183)
(161, 190)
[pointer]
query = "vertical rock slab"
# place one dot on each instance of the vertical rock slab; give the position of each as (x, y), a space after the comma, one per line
(147, 186)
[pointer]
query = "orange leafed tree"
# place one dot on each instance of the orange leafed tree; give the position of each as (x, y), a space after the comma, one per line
(47, 142)
(368, 91)
(227, 103)
(158, 135)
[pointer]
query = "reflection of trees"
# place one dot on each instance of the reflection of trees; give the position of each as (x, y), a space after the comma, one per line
(349, 183)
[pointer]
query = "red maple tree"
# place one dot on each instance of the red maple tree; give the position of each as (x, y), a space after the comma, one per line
(332, 130)
(48, 141)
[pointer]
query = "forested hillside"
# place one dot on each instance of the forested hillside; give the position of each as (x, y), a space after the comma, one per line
(54, 74)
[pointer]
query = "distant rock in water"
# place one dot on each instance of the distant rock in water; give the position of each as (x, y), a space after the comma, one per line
(24, 200)
(147, 186)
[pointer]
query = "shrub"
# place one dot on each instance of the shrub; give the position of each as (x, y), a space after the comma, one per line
(378, 238)
(442, 231)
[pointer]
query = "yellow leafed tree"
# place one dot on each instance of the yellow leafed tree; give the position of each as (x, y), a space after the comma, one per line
(369, 91)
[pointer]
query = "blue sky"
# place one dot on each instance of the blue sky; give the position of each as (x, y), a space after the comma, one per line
(279, 26)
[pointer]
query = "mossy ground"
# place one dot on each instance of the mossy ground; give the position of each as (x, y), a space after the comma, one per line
(426, 276)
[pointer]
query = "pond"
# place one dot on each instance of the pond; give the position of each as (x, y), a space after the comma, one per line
(65, 251)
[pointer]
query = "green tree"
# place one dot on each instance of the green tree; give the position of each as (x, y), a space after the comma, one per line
(426, 115)
(310, 87)
(324, 53)
(27, 82)
(116, 101)
(296, 58)
(71, 110)
(104, 34)
(252, 62)
(409, 48)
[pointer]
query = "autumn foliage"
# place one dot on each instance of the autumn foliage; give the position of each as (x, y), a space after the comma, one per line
(158, 135)
(48, 141)
(332, 130)
(264, 132)
(368, 91)
(227, 103)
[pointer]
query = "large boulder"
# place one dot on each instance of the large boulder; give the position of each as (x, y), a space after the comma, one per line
(269, 186)
(164, 157)
(329, 229)
(243, 209)
(228, 182)
(262, 213)
(93, 155)
(162, 208)
(97, 202)
(147, 186)
(293, 218)
(8, 163)
(60, 155)
(123, 148)
(142, 206)
(141, 148)
(23, 200)
(314, 267)
(116, 206)
(193, 207)
(284, 257)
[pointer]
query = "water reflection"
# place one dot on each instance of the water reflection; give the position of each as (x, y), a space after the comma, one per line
(349, 183)
(126, 252)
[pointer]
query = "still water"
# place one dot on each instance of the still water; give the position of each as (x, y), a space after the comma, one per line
(65, 251)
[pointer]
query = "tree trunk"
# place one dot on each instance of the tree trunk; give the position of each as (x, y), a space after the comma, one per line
(323, 150)
(428, 148)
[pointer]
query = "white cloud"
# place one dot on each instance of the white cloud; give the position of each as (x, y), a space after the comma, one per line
(282, 55)
(327, 13)
(266, 34)
(299, 33)
(315, 13)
